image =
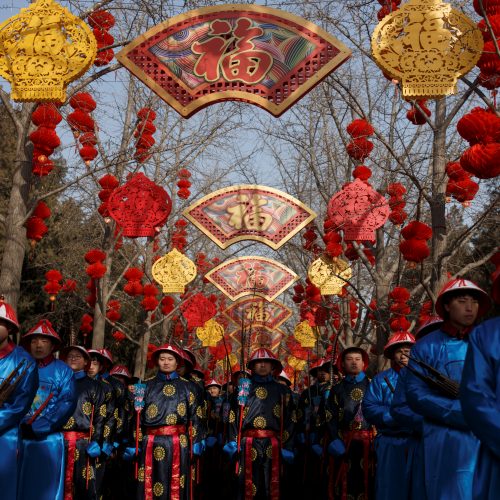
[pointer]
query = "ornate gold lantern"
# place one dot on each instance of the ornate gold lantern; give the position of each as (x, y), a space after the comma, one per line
(210, 333)
(426, 45)
(43, 49)
(329, 275)
(174, 271)
(305, 334)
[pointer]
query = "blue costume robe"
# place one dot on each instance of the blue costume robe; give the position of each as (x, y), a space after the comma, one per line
(480, 398)
(406, 417)
(11, 414)
(391, 442)
(450, 448)
(42, 470)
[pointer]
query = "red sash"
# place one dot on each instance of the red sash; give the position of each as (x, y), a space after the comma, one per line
(71, 437)
(250, 435)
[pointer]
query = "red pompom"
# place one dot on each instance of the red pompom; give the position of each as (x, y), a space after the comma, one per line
(359, 149)
(417, 230)
(41, 210)
(83, 101)
(482, 160)
(360, 128)
(53, 275)
(362, 172)
(94, 255)
(96, 270)
(414, 250)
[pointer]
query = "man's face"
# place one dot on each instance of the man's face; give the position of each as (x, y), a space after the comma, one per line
(214, 391)
(462, 310)
(167, 363)
(262, 368)
(95, 367)
(75, 360)
(401, 356)
(353, 363)
(4, 331)
(323, 375)
(41, 347)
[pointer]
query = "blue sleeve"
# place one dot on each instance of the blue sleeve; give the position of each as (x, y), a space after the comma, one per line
(427, 401)
(478, 391)
(18, 404)
(400, 410)
(57, 414)
(375, 405)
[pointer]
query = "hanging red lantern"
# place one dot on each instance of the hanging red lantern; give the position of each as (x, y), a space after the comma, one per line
(479, 126)
(140, 207)
(113, 310)
(184, 183)
(396, 203)
(150, 302)
(108, 184)
(414, 247)
(399, 308)
(96, 269)
(69, 286)
(387, 7)
(481, 160)
(35, 225)
(167, 305)
(144, 134)
(362, 173)
(102, 21)
(418, 116)
(52, 287)
(359, 149)
(83, 125)
(460, 186)
(134, 286)
(119, 336)
(91, 298)
(360, 128)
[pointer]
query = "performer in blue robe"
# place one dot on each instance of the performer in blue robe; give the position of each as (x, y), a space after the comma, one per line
(12, 409)
(450, 448)
(479, 395)
(42, 470)
(391, 441)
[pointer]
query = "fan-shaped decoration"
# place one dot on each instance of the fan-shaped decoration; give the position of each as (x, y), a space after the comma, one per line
(358, 210)
(198, 310)
(140, 207)
(251, 276)
(427, 45)
(43, 49)
(329, 275)
(243, 53)
(210, 333)
(260, 336)
(305, 334)
(258, 312)
(249, 212)
(174, 271)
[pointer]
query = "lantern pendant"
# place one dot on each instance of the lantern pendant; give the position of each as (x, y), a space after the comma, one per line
(174, 271)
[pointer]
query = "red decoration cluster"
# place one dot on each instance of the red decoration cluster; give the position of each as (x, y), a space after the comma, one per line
(35, 225)
(102, 21)
(184, 183)
(179, 240)
(150, 301)
(481, 128)
(332, 240)
(83, 125)
(399, 308)
(134, 286)
(360, 147)
(489, 62)
(86, 324)
(53, 285)
(396, 191)
(45, 139)
(460, 186)
(167, 305)
(91, 298)
(425, 311)
(144, 134)
(417, 116)
(414, 247)
(69, 286)
(197, 310)
(113, 311)
(388, 6)
(119, 336)
(96, 269)
(108, 184)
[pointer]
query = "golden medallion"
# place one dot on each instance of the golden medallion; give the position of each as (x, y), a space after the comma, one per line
(174, 271)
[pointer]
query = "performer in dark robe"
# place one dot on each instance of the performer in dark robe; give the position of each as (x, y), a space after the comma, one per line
(172, 434)
(392, 480)
(15, 398)
(266, 430)
(450, 448)
(42, 470)
(83, 445)
(352, 472)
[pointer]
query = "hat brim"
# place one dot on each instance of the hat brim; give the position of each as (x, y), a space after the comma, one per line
(275, 362)
(483, 299)
(27, 337)
(63, 354)
(178, 357)
(324, 367)
(389, 350)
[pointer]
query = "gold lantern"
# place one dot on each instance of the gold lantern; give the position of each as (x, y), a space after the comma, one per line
(305, 334)
(210, 333)
(297, 364)
(43, 49)
(330, 275)
(426, 45)
(174, 271)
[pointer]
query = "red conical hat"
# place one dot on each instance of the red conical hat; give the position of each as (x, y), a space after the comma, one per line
(120, 370)
(45, 329)
(189, 356)
(284, 376)
(263, 354)
(319, 364)
(213, 383)
(396, 340)
(65, 350)
(8, 314)
(199, 372)
(172, 349)
(457, 285)
(106, 354)
(427, 326)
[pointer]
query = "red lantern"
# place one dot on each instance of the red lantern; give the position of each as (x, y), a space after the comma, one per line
(167, 305)
(69, 286)
(414, 248)
(113, 311)
(119, 336)
(134, 286)
(150, 302)
(102, 21)
(96, 269)
(197, 310)
(140, 207)
(418, 116)
(359, 149)
(479, 126)
(44, 138)
(362, 173)
(108, 184)
(360, 128)
(184, 184)
(481, 160)
(52, 287)
(144, 134)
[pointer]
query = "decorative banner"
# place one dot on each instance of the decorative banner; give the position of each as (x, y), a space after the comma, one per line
(305, 335)
(329, 275)
(249, 212)
(260, 336)
(243, 53)
(427, 45)
(174, 271)
(210, 333)
(259, 276)
(358, 210)
(43, 49)
(254, 312)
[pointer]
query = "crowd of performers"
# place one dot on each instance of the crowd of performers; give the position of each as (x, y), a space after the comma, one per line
(78, 427)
